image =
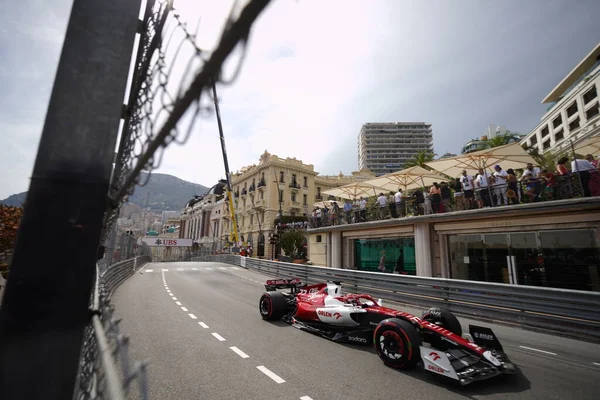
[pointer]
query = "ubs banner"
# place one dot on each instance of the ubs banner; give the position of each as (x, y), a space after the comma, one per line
(166, 242)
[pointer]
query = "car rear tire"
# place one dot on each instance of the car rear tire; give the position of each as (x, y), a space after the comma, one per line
(443, 318)
(397, 343)
(271, 306)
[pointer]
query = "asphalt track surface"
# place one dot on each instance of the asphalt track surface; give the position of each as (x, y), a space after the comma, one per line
(199, 327)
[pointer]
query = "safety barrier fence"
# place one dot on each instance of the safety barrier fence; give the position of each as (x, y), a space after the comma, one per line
(568, 312)
(105, 370)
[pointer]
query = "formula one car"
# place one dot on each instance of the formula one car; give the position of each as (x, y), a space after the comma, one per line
(397, 336)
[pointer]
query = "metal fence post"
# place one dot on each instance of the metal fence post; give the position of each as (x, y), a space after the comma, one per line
(45, 307)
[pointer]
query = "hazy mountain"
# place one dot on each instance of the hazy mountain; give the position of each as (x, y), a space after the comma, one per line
(167, 193)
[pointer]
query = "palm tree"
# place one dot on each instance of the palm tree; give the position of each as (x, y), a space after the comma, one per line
(500, 140)
(421, 159)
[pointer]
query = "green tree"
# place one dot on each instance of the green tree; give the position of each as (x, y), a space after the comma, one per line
(501, 140)
(291, 242)
(545, 160)
(421, 159)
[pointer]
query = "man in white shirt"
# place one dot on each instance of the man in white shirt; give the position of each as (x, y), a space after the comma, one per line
(399, 203)
(382, 201)
(583, 168)
(362, 204)
(530, 177)
(482, 183)
(466, 181)
(500, 185)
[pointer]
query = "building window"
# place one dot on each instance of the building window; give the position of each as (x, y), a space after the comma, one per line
(559, 135)
(544, 132)
(294, 179)
(281, 176)
(592, 112)
(546, 145)
(304, 199)
(572, 110)
(305, 181)
(293, 197)
(574, 125)
(319, 238)
(590, 95)
(557, 121)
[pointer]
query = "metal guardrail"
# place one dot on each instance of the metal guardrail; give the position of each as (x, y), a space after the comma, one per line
(570, 312)
(104, 345)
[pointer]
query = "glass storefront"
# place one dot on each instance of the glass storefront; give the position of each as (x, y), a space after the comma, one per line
(399, 254)
(568, 259)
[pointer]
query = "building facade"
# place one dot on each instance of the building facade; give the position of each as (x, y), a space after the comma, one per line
(385, 147)
(553, 244)
(573, 113)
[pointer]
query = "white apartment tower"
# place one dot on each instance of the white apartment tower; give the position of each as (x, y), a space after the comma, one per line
(385, 147)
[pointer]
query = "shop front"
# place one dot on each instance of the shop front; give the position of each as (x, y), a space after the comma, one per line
(397, 255)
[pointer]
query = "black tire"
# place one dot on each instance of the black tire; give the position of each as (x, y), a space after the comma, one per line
(444, 318)
(271, 306)
(397, 343)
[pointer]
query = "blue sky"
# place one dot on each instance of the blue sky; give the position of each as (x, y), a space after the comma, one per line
(317, 70)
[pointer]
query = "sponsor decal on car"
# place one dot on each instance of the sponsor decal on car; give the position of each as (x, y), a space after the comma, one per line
(325, 314)
(483, 336)
(337, 315)
(436, 369)
(357, 339)
(434, 355)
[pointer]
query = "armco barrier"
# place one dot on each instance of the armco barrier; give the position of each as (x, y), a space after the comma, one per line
(572, 312)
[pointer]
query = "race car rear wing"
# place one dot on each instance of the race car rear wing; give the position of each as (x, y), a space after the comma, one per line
(274, 284)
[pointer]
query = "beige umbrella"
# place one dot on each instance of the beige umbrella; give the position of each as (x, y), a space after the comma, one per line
(589, 146)
(354, 190)
(508, 156)
(324, 204)
(409, 178)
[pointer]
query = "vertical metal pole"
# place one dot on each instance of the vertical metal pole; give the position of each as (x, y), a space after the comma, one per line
(226, 162)
(45, 306)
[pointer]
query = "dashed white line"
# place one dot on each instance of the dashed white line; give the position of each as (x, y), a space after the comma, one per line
(239, 352)
(219, 337)
(208, 268)
(171, 294)
(236, 268)
(194, 269)
(541, 351)
(202, 324)
(222, 268)
(305, 398)
(179, 269)
(184, 309)
(595, 363)
(192, 316)
(168, 291)
(149, 270)
(270, 374)
(165, 269)
(178, 303)
(174, 298)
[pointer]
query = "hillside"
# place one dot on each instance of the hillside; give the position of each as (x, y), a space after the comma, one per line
(167, 193)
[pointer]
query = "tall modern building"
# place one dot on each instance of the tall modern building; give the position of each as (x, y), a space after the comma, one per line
(385, 147)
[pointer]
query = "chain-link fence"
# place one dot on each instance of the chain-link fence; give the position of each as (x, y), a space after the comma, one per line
(170, 90)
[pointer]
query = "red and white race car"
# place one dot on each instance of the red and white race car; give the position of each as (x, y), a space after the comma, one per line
(397, 336)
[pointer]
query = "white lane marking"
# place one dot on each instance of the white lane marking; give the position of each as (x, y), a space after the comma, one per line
(165, 269)
(305, 398)
(194, 269)
(178, 303)
(595, 363)
(192, 316)
(208, 268)
(239, 352)
(179, 269)
(270, 374)
(168, 291)
(541, 351)
(222, 268)
(202, 324)
(149, 270)
(236, 268)
(184, 309)
(219, 337)
(174, 298)
(171, 294)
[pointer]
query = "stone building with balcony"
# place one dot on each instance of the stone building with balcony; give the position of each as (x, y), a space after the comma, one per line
(275, 185)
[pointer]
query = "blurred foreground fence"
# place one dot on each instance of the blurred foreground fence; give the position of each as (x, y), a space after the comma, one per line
(104, 370)
(570, 312)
